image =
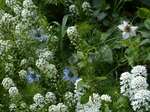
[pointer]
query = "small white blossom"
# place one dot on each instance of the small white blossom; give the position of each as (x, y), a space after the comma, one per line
(141, 101)
(72, 31)
(139, 82)
(22, 74)
(60, 107)
(139, 70)
(7, 83)
(127, 30)
(50, 98)
(106, 98)
(13, 91)
(38, 99)
(12, 107)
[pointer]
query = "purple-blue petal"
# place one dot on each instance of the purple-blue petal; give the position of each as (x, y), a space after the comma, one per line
(30, 80)
(66, 72)
(74, 78)
(37, 79)
(28, 77)
(40, 28)
(31, 71)
(38, 75)
(45, 36)
(40, 38)
(65, 78)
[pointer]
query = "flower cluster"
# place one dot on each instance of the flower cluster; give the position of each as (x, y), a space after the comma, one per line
(60, 107)
(87, 8)
(134, 86)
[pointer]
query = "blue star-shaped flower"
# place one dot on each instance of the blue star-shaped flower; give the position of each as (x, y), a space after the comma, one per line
(38, 34)
(69, 76)
(33, 77)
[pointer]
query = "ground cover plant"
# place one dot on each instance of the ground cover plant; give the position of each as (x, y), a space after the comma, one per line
(74, 55)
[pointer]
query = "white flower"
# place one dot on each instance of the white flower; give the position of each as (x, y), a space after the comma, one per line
(7, 83)
(106, 98)
(72, 31)
(38, 99)
(141, 101)
(127, 30)
(22, 74)
(12, 107)
(125, 78)
(139, 70)
(13, 91)
(50, 98)
(139, 82)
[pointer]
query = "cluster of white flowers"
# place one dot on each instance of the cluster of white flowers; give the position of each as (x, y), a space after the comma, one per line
(5, 46)
(23, 62)
(7, 83)
(22, 74)
(73, 36)
(134, 86)
(28, 4)
(73, 9)
(60, 107)
(47, 55)
(49, 69)
(12, 107)
(87, 8)
(106, 98)
(50, 98)
(38, 99)
(13, 91)
(35, 107)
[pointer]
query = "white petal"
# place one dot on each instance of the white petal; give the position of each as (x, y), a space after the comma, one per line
(133, 28)
(125, 35)
(121, 27)
(125, 24)
(132, 33)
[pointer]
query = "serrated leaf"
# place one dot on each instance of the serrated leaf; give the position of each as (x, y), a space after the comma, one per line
(147, 23)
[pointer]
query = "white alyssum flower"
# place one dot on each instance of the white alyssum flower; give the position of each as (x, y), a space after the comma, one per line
(72, 31)
(86, 6)
(47, 55)
(139, 82)
(13, 91)
(139, 70)
(28, 4)
(22, 74)
(127, 30)
(141, 101)
(23, 62)
(12, 107)
(7, 83)
(73, 9)
(50, 98)
(106, 98)
(125, 78)
(38, 99)
(60, 107)
(93, 104)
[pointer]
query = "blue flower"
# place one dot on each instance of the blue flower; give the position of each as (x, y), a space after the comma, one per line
(33, 77)
(38, 34)
(69, 76)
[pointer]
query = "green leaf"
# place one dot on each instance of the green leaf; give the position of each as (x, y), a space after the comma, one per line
(80, 55)
(80, 83)
(85, 98)
(143, 13)
(64, 21)
(147, 23)
(145, 33)
(104, 36)
(146, 2)
(107, 54)
(82, 64)
(145, 41)
(101, 15)
(100, 78)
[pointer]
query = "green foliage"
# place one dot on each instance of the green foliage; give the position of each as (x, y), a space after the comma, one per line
(143, 13)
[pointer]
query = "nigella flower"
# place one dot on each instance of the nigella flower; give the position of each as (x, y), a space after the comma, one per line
(69, 76)
(33, 77)
(127, 30)
(38, 34)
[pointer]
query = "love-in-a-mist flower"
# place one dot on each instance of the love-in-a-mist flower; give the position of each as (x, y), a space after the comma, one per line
(69, 75)
(33, 77)
(127, 30)
(38, 34)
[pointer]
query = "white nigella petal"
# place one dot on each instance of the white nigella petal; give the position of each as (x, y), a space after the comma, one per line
(127, 30)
